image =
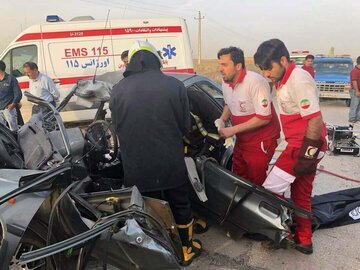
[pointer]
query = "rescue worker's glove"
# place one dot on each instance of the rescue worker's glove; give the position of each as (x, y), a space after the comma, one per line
(219, 123)
(229, 142)
(307, 159)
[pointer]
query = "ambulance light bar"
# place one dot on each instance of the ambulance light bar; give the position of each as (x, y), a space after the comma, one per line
(53, 18)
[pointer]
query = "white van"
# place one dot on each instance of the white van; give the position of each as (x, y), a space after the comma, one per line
(70, 51)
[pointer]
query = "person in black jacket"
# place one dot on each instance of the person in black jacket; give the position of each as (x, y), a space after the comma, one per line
(10, 96)
(150, 113)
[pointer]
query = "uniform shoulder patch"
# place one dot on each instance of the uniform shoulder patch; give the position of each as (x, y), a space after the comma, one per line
(305, 103)
(264, 102)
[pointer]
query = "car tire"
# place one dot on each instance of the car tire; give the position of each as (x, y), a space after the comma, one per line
(34, 238)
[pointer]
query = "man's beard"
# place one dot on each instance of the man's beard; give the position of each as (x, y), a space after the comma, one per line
(278, 79)
(230, 79)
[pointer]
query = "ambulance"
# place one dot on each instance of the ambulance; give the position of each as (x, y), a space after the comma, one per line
(74, 50)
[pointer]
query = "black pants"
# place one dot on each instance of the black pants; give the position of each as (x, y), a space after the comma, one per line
(179, 201)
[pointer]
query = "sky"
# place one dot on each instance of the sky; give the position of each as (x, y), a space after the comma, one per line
(314, 25)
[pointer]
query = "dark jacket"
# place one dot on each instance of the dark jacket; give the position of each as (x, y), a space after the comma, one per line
(9, 91)
(150, 113)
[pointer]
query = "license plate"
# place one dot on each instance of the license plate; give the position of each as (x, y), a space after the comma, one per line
(344, 150)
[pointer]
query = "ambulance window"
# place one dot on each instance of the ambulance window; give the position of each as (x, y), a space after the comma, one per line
(20, 56)
(6, 60)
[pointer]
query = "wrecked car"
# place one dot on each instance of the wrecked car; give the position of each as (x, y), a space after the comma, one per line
(62, 200)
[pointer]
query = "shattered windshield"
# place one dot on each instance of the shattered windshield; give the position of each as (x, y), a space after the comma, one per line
(332, 67)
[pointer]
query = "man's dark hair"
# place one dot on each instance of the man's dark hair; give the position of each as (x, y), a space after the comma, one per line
(358, 60)
(270, 51)
(31, 65)
(2, 65)
(236, 55)
(124, 54)
(309, 56)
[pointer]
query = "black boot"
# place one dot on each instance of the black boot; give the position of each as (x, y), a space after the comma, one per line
(200, 226)
(305, 249)
(191, 247)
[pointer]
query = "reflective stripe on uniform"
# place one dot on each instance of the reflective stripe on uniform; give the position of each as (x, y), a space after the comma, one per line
(278, 181)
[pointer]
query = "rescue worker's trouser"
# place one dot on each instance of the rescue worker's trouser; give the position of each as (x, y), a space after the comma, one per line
(179, 201)
(251, 161)
(354, 110)
(281, 177)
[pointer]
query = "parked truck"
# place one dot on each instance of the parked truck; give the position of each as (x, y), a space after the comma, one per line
(332, 76)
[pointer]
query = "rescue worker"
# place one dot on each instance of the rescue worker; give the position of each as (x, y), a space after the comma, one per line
(248, 103)
(150, 113)
(125, 59)
(308, 65)
(354, 110)
(10, 96)
(304, 132)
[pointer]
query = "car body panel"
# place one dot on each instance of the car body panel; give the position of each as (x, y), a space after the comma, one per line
(237, 203)
(135, 233)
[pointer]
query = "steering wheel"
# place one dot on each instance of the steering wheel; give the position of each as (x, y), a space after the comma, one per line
(102, 141)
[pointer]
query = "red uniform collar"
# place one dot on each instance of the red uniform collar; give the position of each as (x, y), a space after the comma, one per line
(307, 68)
(287, 74)
(239, 79)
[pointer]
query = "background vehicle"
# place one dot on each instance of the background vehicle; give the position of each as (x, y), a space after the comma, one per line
(73, 50)
(298, 57)
(332, 76)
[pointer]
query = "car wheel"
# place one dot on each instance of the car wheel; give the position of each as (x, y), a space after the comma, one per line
(33, 238)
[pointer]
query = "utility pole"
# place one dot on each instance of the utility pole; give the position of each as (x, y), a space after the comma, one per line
(199, 18)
